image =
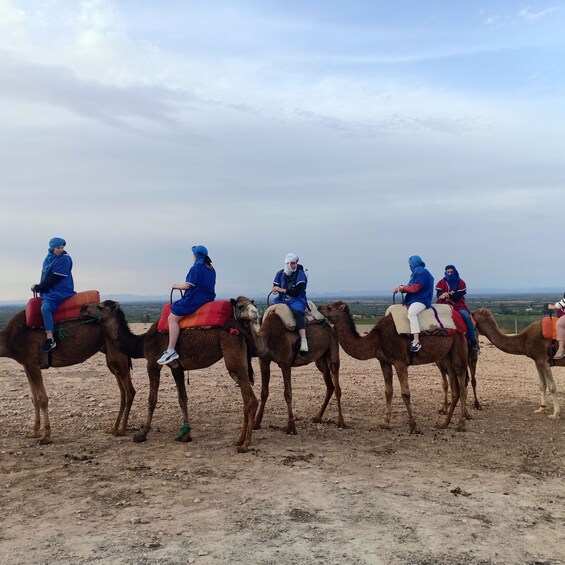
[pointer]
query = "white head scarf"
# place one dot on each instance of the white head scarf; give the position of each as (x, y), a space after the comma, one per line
(290, 258)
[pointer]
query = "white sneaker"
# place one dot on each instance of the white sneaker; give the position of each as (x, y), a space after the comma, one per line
(303, 346)
(167, 357)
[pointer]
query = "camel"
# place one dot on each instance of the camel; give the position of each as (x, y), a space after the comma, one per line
(274, 343)
(392, 350)
(82, 341)
(198, 348)
(529, 342)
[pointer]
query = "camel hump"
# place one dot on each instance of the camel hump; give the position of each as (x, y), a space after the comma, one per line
(438, 317)
(311, 316)
(69, 309)
(284, 313)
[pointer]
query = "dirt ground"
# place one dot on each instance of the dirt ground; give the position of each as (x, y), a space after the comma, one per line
(359, 495)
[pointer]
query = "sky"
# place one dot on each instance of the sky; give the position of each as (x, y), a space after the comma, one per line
(354, 134)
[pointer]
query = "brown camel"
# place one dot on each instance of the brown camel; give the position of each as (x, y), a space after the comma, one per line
(529, 342)
(198, 348)
(82, 341)
(274, 343)
(392, 350)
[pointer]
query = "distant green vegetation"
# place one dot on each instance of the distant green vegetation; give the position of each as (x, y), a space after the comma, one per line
(513, 312)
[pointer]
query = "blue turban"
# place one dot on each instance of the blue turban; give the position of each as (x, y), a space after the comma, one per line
(199, 251)
(415, 261)
(56, 242)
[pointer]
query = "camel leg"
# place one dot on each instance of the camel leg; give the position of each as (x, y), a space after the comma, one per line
(265, 367)
(184, 433)
(325, 370)
(330, 372)
(473, 358)
(154, 372)
(236, 364)
(387, 376)
(119, 367)
(458, 393)
(40, 403)
(250, 403)
(445, 387)
(402, 374)
(291, 425)
(547, 383)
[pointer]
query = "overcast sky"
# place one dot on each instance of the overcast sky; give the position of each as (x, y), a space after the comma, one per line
(354, 134)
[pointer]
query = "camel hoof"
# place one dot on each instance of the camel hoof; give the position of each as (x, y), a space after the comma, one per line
(242, 449)
(45, 441)
(316, 420)
(291, 431)
(478, 406)
(111, 430)
(415, 431)
(460, 429)
(32, 434)
(540, 410)
(342, 425)
(553, 416)
(257, 426)
(139, 438)
(385, 426)
(185, 438)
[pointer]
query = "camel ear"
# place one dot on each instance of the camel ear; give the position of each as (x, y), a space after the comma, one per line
(114, 306)
(233, 302)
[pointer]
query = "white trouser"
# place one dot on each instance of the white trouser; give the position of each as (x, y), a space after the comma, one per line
(413, 310)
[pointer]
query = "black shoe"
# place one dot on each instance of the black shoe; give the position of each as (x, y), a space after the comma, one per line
(48, 345)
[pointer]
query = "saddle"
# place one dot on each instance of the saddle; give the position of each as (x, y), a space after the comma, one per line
(311, 316)
(439, 319)
(548, 329)
(68, 310)
(210, 315)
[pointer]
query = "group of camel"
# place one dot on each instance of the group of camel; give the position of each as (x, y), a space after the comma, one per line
(240, 339)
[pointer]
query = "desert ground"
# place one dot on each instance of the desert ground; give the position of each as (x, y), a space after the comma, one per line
(359, 495)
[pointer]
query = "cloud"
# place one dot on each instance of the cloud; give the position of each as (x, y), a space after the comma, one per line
(527, 15)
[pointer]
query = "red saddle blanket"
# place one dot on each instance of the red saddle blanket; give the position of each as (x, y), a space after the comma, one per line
(68, 310)
(215, 313)
(548, 328)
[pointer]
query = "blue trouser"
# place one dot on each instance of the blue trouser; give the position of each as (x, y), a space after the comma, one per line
(470, 326)
(47, 309)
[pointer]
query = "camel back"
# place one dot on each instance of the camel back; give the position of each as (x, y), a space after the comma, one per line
(212, 315)
(68, 310)
(432, 320)
(312, 315)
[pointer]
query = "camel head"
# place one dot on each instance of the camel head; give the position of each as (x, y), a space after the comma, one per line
(99, 311)
(245, 309)
(333, 311)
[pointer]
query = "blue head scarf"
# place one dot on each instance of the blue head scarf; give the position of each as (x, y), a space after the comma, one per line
(56, 242)
(49, 261)
(415, 261)
(416, 266)
(453, 279)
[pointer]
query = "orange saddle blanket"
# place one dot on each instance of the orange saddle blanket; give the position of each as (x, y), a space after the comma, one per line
(215, 313)
(68, 310)
(548, 328)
